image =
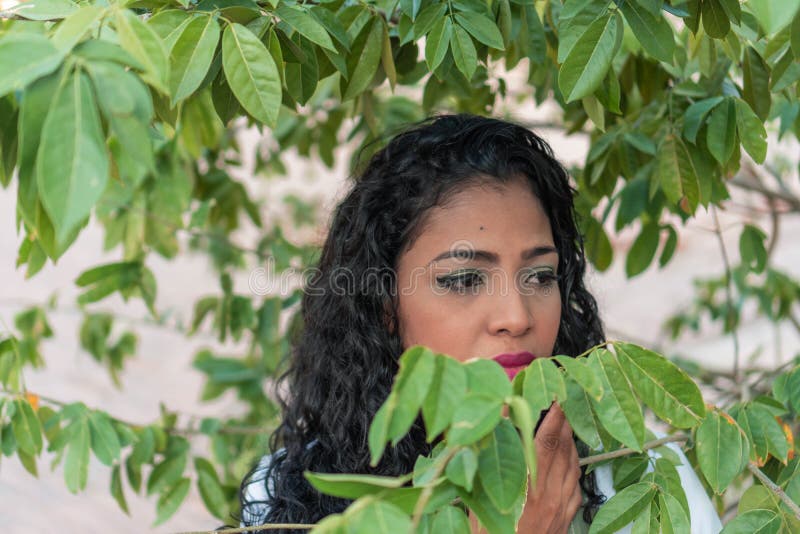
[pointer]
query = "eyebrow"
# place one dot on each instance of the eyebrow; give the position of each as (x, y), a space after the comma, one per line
(491, 257)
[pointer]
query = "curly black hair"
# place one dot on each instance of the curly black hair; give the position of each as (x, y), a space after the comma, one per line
(345, 358)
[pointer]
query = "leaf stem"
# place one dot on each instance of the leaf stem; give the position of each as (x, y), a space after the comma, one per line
(774, 488)
(729, 298)
(273, 526)
(419, 508)
(626, 451)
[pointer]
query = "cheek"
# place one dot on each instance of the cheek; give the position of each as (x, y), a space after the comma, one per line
(430, 321)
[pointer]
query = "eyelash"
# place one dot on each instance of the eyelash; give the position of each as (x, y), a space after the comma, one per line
(456, 282)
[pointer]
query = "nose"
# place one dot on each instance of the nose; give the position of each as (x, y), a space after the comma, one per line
(511, 314)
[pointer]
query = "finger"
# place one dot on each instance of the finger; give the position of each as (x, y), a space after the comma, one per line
(547, 441)
(575, 502)
(565, 456)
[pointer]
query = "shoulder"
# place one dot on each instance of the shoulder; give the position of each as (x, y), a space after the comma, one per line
(254, 493)
(704, 518)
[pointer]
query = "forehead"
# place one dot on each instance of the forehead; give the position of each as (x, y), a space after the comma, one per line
(494, 216)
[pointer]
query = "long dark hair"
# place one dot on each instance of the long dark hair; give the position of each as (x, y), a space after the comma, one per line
(345, 358)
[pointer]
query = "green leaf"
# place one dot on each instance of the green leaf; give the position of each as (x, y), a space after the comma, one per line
(598, 246)
(642, 250)
(676, 173)
(663, 386)
(481, 28)
(26, 427)
(104, 440)
(764, 432)
(169, 25)
(427, 18)
(755, 87)
(758, 521)
(618, 410)
(785, 72)
(191, 56)
(437, 41)
(387, 57)
(543, 384)
(715, 20)
(447, 390)
(72, 163)
(72, 29)
(623, 508)
(575, 17)
(695, 116)
(372, 516)
(352, 486)
(362, 63)
(523, 418)
(486, 377)
(450, 520)
(721, 133)
(652, 31)
(251, 73)
(462, 467)
(490, 517)
(116, 489)
(751, 248)
(171, 500)
(474, 418)
(722, 450)
(751, 131)
(44, 9)
(144, 44)
(772, 16)
(305, 24)
(502, 468)
(166, 473)
(795, 33)
(210, 488)
(378, 434)
(26, 57)
(588, 61)
(578, 370)
(464, 52)
(578, 410)
(76, 469)
(302, 78)
(673, 517)
(411, 385)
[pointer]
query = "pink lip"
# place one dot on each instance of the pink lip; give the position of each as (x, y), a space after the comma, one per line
(513, 363)
(519, 359)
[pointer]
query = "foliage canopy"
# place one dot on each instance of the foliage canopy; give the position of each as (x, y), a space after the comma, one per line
(129, 110)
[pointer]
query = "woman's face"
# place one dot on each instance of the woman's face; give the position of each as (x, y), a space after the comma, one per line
(480, 278)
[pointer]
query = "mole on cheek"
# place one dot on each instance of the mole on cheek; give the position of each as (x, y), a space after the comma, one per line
(481, 227)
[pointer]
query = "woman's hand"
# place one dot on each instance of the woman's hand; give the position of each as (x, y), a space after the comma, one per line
(555, 499)
(553, 502)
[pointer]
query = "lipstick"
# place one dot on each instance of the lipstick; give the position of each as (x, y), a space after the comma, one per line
(513, 363)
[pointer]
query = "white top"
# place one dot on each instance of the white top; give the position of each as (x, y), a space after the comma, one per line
(703, 520)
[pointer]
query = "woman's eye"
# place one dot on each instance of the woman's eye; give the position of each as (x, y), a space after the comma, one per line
(542, 279)
(460, 282)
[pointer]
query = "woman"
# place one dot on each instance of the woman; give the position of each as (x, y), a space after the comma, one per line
(459, 235)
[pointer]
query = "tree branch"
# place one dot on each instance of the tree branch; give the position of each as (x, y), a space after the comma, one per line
(274, 526)
(626, 451)
(774, 488)
(234, 430)
(729, 295)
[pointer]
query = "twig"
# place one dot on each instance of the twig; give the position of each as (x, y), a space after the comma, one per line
(235, 430)
(774, 488)
(729, 295)
(425, 496)
(273, 526)
(626, 451)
